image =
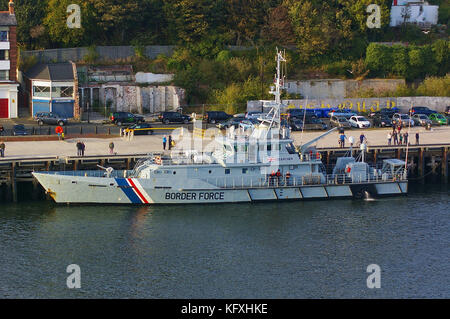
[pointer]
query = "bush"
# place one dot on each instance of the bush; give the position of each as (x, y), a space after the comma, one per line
(435, 86)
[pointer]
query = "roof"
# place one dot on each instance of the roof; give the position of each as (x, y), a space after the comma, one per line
(7, 19)
(52, 72)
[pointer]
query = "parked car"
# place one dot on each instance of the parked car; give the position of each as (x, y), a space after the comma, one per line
(248, 124)
(234, 121)
(121, 118)
(140, 129)
(19, 130)
(404, 119)
(254, 115)
(421, 119)
(438, 119)
(314, 123)
(339, 121)
(50, 118)
(342, 113)
(384, 112)
(216, 116)
(447, 111)
(381, 120)
(421, 110)
(295, 125)
(174, 117)
(359, 121)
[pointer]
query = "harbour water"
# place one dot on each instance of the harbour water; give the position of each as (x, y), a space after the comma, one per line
(312, 249)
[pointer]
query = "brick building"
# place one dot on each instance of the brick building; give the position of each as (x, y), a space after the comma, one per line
(8, 63)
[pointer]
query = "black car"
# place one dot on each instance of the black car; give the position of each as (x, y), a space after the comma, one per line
(421, 110)
(140, 129)
(296, 125)
(174, 117)
(384, 112)
(216, 116)
(381, 120)
(19, 130)
(447, 111)
(121, 118)
(293, 114)
(50, 119)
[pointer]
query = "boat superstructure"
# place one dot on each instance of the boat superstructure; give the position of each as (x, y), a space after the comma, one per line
(260, 164)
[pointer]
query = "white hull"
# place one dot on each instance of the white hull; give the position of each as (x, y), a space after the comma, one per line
(94, 190)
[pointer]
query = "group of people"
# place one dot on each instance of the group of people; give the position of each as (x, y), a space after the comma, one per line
(342, 138)
(277, 176)
(399, 138)
(81, 147)
(171, 142)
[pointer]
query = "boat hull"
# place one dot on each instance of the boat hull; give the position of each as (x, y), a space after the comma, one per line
(94, 190)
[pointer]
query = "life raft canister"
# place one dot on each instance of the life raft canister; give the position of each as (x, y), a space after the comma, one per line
(349, 169)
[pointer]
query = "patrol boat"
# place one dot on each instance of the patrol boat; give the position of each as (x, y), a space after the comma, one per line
(256, 165)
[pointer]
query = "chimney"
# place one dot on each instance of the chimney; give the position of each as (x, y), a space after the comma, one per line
(11, 7)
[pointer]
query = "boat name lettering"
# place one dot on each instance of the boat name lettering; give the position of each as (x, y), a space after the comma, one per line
(195, 196)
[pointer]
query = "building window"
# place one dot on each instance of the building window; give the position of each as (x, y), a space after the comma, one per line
(4, 75)
(227, 171)
(244, 170)
(3, 36)
(41, 91)
(62, 91)
(4, 54)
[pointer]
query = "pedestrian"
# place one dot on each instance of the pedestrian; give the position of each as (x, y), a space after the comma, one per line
(170, 142)
(79, 147)
(399, 127)
(362, 137)
(417, 138)
(2, 149)
(83, 148)
(389, 138)
(342, 138)
(400, 137)
(164, 142)
(395, 137)
(111, 148)
(405, 138)
(278, 177)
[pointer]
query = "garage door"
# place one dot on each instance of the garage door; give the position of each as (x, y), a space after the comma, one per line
(4, 109)
(63, 109)
(40, 106)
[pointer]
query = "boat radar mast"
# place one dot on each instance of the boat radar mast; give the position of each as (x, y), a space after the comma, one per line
(273, 118)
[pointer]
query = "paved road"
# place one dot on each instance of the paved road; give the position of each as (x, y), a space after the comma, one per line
(145, 144)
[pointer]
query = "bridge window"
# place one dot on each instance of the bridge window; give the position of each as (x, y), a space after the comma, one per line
(244, 170)
(227, 171)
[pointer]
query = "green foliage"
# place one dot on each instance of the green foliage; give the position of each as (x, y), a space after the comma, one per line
(435, 86)
(92, 55)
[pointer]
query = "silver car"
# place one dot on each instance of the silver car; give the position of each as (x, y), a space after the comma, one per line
(404, 119)
(421, 119)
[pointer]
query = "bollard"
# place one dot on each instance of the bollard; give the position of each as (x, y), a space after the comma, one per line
(81, 130)
(96, 130)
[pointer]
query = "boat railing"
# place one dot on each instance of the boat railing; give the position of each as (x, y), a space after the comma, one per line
(312, 179)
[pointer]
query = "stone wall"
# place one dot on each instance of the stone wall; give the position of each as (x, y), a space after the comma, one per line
(337, 88)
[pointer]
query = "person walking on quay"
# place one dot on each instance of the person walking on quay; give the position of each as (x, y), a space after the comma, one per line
(170, 142)
(362, 138)
(79, 147)
(395, 137)
(342, 138)
(2, 149)
(405, 138)
(111, 148)
(400, 138)
(164, 142)
(83, 148)
(389, 138)
(417, 138)
(399, 127)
